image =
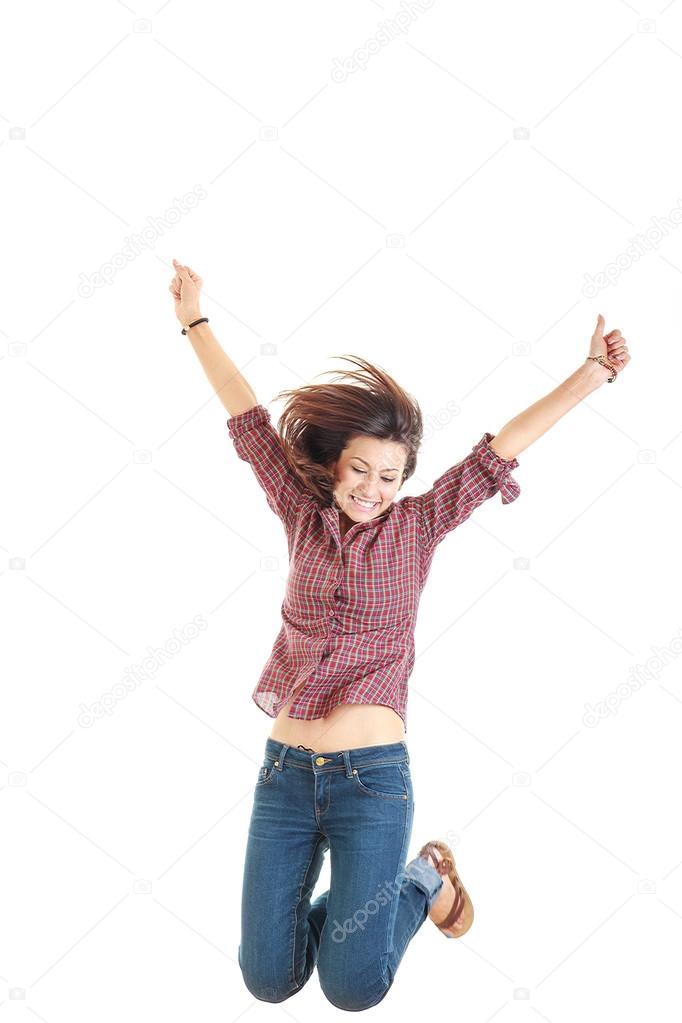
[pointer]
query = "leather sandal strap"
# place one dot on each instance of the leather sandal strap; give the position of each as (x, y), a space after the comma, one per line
(444, 866)
(455, 910)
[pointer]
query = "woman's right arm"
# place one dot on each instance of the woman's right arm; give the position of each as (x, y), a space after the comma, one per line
(231, 387)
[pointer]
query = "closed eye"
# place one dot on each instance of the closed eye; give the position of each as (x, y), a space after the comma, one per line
(383, 477)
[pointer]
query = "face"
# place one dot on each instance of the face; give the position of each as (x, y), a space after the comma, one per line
(370, 469)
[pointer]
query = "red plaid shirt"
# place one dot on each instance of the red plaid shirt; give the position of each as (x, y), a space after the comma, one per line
(350, 606)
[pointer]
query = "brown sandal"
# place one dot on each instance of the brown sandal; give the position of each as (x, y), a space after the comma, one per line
(461, 905)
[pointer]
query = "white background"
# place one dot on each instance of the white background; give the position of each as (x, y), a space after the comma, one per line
(437, 211)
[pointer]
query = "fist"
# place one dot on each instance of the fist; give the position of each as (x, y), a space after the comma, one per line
(185, 288)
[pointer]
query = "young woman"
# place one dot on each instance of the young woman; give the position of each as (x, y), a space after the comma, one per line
(335, 773)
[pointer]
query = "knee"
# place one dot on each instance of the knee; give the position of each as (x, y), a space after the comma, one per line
(265, 988)
(354, 998)
(278, 992)
(269, 994)
(347, 985)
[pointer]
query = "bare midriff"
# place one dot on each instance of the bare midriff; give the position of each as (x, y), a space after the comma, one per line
(347, 726)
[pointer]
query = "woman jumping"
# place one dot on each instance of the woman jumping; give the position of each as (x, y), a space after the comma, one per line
(335, 774)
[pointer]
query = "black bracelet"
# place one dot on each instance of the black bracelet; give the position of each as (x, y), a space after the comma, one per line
(204, 319)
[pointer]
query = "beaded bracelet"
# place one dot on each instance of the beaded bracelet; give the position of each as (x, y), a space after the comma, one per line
(600, 359)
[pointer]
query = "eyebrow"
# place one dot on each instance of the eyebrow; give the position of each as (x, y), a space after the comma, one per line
(390, 469)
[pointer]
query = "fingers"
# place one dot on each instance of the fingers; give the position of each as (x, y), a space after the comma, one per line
(180, 271)
(616, 345)
(174, 286)
(617, 348)
(183, 274)
(183, 268)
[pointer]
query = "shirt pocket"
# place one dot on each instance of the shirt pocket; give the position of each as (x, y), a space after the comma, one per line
(383, 781)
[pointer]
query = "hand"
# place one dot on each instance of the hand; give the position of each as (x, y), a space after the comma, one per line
(186, 291)
(613, 346)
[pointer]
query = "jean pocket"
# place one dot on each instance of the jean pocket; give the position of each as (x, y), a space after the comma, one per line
(265, 773)
(386, 781)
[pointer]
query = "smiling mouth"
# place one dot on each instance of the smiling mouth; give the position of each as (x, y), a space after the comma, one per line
(365, 507)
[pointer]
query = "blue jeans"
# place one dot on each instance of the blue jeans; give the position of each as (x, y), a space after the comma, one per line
(358, 804)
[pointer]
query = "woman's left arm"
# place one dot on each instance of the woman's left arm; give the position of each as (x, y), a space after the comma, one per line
(520, 432)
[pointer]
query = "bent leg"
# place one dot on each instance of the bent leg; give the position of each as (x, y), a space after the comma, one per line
(280, 933)
(376, 903)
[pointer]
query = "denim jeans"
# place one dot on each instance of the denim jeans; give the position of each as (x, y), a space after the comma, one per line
(358, 804)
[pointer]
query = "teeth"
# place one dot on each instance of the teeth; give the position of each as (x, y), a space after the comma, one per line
(364, 504)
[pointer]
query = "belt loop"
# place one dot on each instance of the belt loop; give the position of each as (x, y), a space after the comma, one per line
(281, 756)
(346, 760)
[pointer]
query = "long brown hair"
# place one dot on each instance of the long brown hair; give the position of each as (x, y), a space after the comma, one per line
(319, 420)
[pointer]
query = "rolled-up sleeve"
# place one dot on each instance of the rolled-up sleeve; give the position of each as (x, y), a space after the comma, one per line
(465, 486)
(257, 442)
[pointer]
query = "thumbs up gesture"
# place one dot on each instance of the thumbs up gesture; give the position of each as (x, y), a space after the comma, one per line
(612, 346)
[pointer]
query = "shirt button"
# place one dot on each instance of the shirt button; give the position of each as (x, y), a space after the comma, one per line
(332, 614)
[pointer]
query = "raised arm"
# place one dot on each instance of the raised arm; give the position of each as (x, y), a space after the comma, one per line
(520, 432)
(233, 390)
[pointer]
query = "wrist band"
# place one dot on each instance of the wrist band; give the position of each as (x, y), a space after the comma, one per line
(600, 359)
(203, 319)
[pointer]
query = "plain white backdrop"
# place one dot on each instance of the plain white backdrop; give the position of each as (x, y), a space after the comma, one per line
(453, 191)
